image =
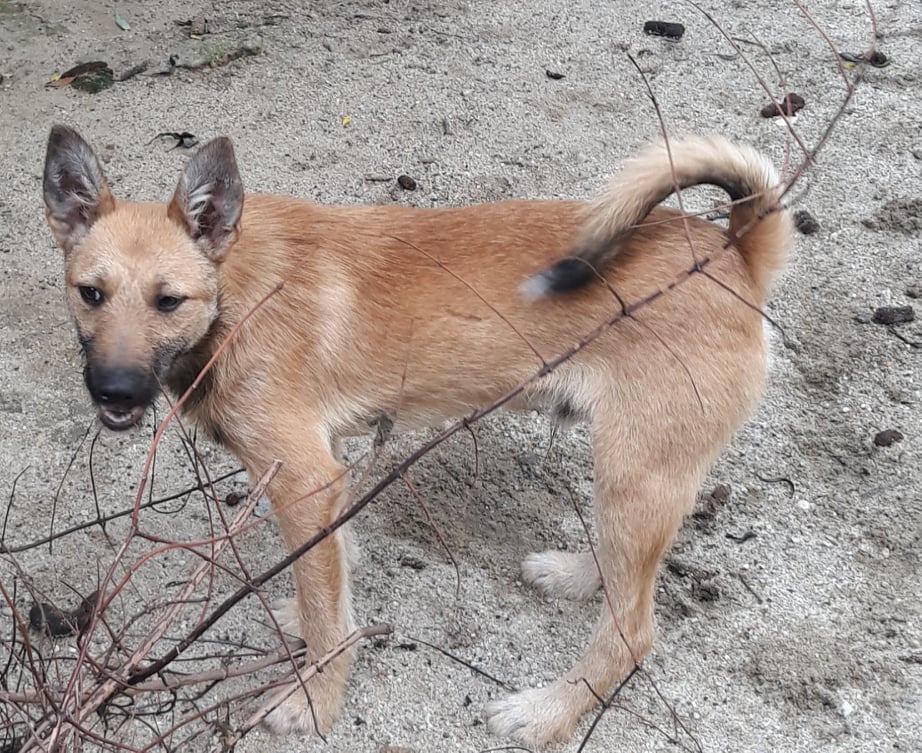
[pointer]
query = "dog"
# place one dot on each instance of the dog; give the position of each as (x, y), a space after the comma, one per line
(411, 316)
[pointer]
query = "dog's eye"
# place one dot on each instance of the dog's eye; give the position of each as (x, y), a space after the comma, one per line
(168, 303)
(90, 295)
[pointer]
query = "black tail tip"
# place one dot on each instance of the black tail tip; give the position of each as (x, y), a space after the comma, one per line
(566, 275)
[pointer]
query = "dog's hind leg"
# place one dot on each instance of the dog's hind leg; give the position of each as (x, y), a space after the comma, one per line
(639, 506)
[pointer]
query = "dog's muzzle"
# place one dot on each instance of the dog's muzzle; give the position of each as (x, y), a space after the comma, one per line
(121, 395)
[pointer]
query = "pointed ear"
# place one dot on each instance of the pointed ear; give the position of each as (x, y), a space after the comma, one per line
(76, 192)
(209, 198)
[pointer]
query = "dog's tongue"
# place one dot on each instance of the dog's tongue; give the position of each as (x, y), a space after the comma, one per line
(119, 420)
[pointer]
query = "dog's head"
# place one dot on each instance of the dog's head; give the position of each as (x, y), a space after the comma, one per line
(142, 279)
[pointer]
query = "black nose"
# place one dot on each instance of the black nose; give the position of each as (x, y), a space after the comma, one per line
(120, 387)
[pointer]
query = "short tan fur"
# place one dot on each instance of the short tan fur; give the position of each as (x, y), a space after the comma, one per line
(420, 315)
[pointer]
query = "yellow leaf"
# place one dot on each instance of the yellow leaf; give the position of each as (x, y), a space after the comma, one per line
(347, 119)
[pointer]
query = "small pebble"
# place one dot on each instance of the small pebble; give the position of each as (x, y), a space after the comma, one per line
(887, 437)
(893, 315)
(198, 26)
(914, 291)
(787, 106)
(664, 29)
(53, 622)
(406, 182)
(805, 222)
(413, 563)
(57, 623)
(234, 498)
(709, 504)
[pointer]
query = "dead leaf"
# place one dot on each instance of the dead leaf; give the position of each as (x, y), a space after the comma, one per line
(58, 83)
(92, 77)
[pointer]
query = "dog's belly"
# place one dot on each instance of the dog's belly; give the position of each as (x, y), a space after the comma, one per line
(418, 415)
(383, 423)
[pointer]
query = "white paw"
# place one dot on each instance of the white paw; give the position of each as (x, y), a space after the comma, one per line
(316, 711)
(534, 717)
(562, 575)
(311, 713)
(295, 715)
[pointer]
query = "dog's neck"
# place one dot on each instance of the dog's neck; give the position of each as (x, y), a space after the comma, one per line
(183, 375)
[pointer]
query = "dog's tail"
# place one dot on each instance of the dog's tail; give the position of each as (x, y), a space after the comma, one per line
(759, 228)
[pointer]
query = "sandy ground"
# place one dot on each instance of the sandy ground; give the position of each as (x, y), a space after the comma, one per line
(788, 621)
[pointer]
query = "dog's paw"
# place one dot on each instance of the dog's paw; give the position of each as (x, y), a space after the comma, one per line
(296, 714)
(318, 710)
(562, 575)
(534, 717)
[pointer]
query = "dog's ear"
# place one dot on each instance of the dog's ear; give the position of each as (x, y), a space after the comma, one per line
(76, 192)
(209, 198)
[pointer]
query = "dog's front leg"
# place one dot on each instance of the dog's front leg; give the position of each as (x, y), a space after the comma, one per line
(307, 496)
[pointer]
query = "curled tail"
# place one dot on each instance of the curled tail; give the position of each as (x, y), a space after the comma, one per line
(759, 228)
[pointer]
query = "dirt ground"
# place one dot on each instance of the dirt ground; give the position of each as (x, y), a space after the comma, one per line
(789, 619)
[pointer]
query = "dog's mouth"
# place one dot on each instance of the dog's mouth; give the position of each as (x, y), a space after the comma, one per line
(118, 419)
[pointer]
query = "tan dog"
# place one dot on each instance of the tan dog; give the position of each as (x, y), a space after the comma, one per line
(415, 315)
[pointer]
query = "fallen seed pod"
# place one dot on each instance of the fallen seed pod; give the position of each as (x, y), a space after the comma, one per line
(788, 106)
(664, 29)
